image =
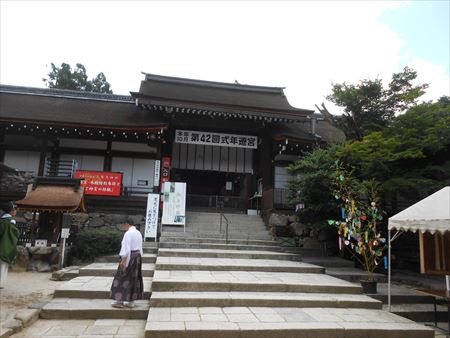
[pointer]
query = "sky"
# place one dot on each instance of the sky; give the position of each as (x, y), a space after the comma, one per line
(304, 46)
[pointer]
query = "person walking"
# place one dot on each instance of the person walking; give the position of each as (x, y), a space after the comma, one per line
(128, 284)
(9, 236)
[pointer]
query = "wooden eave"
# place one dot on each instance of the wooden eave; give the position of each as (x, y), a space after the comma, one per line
(240, 112)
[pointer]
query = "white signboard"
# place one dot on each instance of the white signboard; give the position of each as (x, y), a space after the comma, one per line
(65, 233)
(157, 171)
(174, 203)
(216, 139)
(151, 217)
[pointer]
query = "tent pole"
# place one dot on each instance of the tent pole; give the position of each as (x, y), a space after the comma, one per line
(389, 270)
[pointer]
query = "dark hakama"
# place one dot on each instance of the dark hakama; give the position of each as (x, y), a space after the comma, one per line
(128, 285)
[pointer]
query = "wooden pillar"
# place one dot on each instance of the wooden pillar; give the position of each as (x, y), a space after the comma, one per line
(107, 161)
(266, 170)
(2, 150)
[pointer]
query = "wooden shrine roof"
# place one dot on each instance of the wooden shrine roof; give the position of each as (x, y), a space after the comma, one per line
(53, 198)
(75, 108)
(172, 94)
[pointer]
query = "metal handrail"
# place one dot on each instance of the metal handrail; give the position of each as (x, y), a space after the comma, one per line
(220, 205)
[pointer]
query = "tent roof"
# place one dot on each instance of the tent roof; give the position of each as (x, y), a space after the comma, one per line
(430, 214)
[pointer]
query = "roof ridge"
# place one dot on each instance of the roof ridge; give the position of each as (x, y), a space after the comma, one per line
(227, 85)
(64, 93)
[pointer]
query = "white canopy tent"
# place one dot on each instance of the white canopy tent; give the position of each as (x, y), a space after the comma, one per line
(432, 214)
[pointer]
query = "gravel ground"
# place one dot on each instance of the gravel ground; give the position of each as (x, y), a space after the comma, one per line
(23, 289)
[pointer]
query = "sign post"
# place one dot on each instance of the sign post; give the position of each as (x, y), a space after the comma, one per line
(65, 233)
(174, 206)
(151, 216)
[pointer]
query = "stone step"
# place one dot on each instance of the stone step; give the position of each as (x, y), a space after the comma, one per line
(234, 264)
(167, 239)
(93, 287)
(327, 261)
(214, 229)
(146, 258)
(109, 269)
(150, 244)
(401, 294)
(354, 275)
(420, 312)
(215, 234)
(150, 250)
(270, 299)
(252, 322)
(212, 253)
(250, 281)
(220, 246)
(81, 308)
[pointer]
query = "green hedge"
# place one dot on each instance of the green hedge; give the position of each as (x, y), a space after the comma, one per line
(91, 243)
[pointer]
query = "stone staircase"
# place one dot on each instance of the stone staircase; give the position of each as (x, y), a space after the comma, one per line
(87, 296)
(199, 285)
(205, 287)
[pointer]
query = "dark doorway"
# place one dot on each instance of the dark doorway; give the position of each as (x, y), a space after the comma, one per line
(206, 188)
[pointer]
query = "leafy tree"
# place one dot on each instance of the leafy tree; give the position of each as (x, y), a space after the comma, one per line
(311, 184)
(409, 159)
(64, 78)
(368, 106)
(411, 156)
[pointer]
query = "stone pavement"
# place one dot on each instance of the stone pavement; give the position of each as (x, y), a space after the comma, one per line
(102, 328)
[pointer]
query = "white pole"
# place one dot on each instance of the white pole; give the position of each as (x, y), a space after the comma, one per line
(447, 282)
(389, 270)
(62, 252)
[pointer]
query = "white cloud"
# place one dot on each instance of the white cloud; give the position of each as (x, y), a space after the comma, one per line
(302, 45)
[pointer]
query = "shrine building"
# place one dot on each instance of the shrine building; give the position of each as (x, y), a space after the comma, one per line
(231, 143)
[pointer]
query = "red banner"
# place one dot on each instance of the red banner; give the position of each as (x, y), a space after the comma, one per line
(100, 182)
(165, 170)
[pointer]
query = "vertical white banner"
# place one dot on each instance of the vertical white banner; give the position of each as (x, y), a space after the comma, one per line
(174, 203)
(157, 171)
(151, 217)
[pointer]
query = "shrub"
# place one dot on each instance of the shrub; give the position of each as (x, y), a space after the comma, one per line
(91, 243)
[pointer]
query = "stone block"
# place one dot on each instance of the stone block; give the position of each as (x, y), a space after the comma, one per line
(38, 265)
(22, 259)
(13, 324)
(27, 316)
(299, 228)
(278, 220)
(292, 218)
(96, 222)
(40, 250)
(80, 217)
(5, 333)
(38, 305)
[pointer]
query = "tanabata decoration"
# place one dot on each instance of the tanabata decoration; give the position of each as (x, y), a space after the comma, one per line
(357, 229)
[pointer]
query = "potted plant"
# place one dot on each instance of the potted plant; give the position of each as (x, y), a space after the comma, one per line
(357, 228)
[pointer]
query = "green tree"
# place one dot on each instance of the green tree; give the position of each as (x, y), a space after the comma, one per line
(64, 78)
(368, 106)
(409, 158)
(311, 184)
